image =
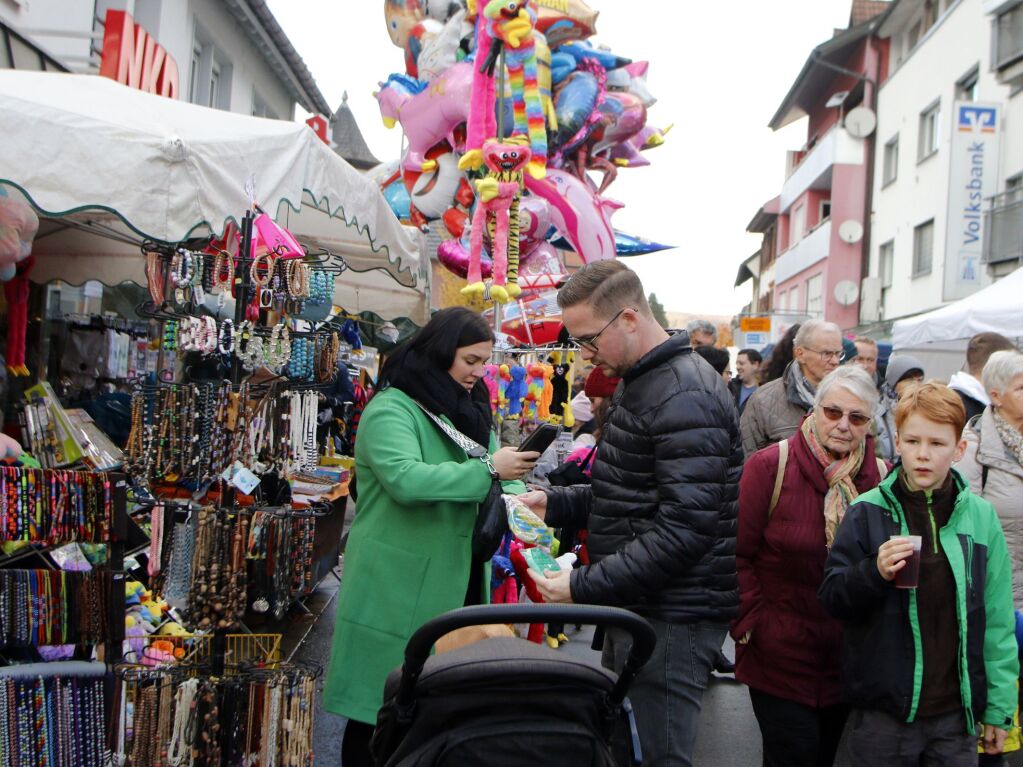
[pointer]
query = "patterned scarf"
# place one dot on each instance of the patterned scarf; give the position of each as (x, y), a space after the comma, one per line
(1010, 435)
(839, 475)
(806, 390)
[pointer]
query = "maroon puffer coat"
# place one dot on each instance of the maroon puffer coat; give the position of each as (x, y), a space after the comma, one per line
(794, 646)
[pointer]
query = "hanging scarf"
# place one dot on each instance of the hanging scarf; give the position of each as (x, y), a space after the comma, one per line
(1010, 435)
(839, 476)
(443, 395)
(806, 390)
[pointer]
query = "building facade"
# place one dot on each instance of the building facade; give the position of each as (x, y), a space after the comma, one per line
(820, 223)
(226, 54)
(950, 156)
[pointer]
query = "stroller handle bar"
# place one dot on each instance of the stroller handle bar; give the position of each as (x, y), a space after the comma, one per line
(420, 643)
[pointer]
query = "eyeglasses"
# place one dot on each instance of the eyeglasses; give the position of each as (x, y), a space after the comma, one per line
(835, 414)
(826, 355)
(590, 342)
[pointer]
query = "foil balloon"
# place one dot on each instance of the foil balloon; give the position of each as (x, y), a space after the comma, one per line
(624, 117)
(454, 256)
(431, 191)
(428, 115)
(401, 16)
(562, 21)
(579, 213)
(440, 50)
(18, 227)
(574, 102)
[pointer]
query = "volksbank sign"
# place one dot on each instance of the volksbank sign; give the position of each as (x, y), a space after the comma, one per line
(973, 178)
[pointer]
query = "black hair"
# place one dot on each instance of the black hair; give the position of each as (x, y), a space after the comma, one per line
(752, 355)
(783, 354)
(718, 358)
(446, 332)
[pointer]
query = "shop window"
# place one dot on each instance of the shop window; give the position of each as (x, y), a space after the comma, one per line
(890, 170)
(923, 248)
(929, 138)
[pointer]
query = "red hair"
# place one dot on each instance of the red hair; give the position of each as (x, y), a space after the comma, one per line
(935, 402)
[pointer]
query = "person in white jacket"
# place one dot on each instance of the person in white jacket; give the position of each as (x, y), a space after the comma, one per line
(968, 384)
(993, 461)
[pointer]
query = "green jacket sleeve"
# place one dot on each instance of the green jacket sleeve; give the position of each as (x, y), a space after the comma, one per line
(390, 444)
(1001, 658)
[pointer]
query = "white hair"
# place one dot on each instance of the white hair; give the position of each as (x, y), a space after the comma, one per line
(810, 329)
(704, 326)
(854, 380)
(1000, 369)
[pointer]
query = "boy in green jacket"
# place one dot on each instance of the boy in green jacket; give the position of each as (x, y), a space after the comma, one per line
(923, 665)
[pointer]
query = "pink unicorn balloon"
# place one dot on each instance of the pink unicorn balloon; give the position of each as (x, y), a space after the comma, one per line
(428, 113)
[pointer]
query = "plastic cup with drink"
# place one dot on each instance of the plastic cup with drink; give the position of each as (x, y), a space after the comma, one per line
(908, 577)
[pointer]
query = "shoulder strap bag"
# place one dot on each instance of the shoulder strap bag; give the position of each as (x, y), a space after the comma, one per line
(492, 517)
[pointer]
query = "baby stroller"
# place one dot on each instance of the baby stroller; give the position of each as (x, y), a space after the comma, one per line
(506, 701)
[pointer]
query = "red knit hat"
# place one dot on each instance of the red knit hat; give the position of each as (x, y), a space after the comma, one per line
(599, 385)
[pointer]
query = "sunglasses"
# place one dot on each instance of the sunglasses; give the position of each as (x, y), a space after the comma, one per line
(835, 414)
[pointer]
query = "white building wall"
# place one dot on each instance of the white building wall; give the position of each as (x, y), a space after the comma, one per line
(958, 42)
(173, 23)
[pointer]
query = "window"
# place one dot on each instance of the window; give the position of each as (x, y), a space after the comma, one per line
(890, 170)
(930, 120)
(798, 227)
(923, 248)
(193, 74)
(913, 37)
(825, 212)
(209, 77)
(966, 88)
(1009, 37)
(260, 108)
(815, 296)
(886, 260)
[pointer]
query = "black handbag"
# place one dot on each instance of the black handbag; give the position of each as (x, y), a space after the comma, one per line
(492, 517)
(571, 473)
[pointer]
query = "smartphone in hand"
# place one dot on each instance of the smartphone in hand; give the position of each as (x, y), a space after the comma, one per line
(540, 439)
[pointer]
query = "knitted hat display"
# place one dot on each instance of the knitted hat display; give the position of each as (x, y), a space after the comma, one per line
(599, 385)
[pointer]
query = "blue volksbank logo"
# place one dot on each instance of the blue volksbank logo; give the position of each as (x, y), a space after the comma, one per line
(974, 118)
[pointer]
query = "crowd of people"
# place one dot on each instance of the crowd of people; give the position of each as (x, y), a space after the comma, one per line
(859, 534)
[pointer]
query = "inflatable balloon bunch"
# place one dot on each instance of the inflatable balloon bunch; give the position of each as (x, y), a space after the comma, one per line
(568, 108)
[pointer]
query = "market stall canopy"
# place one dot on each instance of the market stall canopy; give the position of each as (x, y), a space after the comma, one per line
(938, 338)
(997, 308)
(94, 152)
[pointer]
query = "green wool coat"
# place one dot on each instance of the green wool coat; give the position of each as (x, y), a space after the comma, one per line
(408, 553)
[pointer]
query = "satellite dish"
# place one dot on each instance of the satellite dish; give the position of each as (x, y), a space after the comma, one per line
(846, 292)
(860, 122)
(850, 231)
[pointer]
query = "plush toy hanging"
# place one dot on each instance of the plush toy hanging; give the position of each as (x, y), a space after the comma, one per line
(507, 25)
(16, 292)
(498, 209)
(561, 388)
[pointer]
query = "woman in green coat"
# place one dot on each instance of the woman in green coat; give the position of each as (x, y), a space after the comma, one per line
(409, 556)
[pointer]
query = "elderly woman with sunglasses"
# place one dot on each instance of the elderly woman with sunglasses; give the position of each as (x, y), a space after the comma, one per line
(791, 499)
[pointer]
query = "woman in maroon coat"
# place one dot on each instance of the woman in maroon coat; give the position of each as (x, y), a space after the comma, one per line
(787, 647)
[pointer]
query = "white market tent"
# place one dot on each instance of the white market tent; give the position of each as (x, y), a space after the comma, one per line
(106, 166)
(939, 337)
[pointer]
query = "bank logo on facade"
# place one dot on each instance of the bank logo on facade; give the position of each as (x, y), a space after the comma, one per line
(974, 118)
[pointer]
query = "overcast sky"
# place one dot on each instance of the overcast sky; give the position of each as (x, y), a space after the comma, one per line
(719, 71)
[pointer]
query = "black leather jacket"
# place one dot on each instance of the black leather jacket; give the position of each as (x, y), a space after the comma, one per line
(661, 511)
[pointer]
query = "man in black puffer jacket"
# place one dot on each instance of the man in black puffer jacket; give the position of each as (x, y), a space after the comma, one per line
(661, 512)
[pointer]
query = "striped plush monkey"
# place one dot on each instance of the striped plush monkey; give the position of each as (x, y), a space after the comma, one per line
(498, 210)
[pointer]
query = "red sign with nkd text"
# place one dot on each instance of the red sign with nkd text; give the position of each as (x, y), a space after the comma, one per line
(132, 57)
